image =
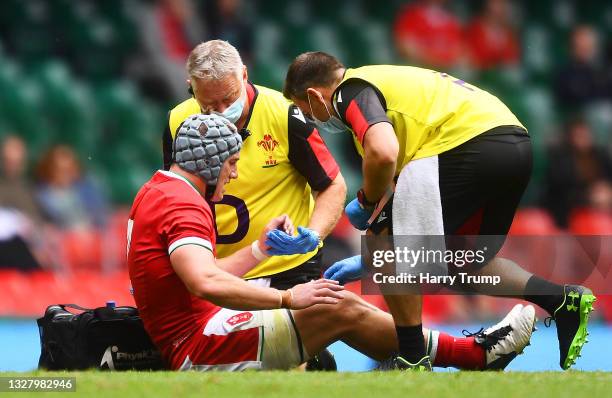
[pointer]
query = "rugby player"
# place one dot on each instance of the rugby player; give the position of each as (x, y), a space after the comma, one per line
(203, 316)
(461, 161)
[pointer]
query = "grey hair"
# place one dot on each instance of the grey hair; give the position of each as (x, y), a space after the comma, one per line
(213, 59)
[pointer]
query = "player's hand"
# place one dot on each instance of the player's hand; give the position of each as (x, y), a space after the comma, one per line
(358, 215)
(321, 291)
(347, 270)
(280, 223)
(281, 243)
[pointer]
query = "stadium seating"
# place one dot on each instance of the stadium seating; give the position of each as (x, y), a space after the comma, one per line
(533, 221)
(82, 250)
(88, 289)
(111, 107)
(590, 222)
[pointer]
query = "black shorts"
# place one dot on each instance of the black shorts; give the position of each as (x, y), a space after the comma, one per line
(303, 273)
(481, 183)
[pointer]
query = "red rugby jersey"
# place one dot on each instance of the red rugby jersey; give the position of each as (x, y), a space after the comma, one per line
(167, 213)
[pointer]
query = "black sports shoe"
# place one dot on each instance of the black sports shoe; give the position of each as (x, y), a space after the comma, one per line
(324, 361)
(572, 317)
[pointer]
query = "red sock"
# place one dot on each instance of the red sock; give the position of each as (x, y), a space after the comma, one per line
(459, 352)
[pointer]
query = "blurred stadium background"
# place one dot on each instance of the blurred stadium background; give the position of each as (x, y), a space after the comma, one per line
(85, 87)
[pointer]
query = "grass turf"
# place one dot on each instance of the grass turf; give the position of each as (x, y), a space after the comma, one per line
(354, 385)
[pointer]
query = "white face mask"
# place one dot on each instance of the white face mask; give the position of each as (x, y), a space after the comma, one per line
(234, 111)
(333, 125)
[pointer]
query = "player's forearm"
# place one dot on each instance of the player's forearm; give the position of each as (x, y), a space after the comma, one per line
(199, 271)
(239, 263)
(230, 292)
(328, 207)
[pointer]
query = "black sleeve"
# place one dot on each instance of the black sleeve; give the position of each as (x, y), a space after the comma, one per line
(360, 105)
(308, 153)
(167, 146)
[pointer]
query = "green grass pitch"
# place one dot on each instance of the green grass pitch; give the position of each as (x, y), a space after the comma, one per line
(353, 385)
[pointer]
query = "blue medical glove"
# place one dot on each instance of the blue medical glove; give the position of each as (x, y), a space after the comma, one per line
(282, 243)
(358, 215)
(347, 270)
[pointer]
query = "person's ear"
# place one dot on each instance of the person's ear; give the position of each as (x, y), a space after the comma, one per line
(245, 73)
(190, 88)
(311, 92)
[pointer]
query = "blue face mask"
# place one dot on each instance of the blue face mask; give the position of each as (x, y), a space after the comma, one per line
(333, 125)
(234, 111)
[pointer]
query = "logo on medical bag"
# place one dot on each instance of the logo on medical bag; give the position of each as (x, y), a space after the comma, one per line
(237, 319)
(268, 144)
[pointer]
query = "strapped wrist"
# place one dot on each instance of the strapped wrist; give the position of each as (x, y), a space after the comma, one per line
(256, 251)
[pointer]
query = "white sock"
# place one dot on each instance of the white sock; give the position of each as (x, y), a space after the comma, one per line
(432, 345)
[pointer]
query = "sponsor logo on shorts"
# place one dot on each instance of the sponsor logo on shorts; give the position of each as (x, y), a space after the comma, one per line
(237, 319)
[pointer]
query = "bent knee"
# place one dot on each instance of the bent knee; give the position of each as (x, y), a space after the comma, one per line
(353, 308)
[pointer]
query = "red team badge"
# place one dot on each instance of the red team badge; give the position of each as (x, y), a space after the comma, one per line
(268, 144)
(237, 319)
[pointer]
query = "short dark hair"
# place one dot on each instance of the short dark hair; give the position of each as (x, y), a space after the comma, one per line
(310, 69)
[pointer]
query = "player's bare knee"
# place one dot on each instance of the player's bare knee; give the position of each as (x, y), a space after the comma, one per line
(342, 316)
(352, 308)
